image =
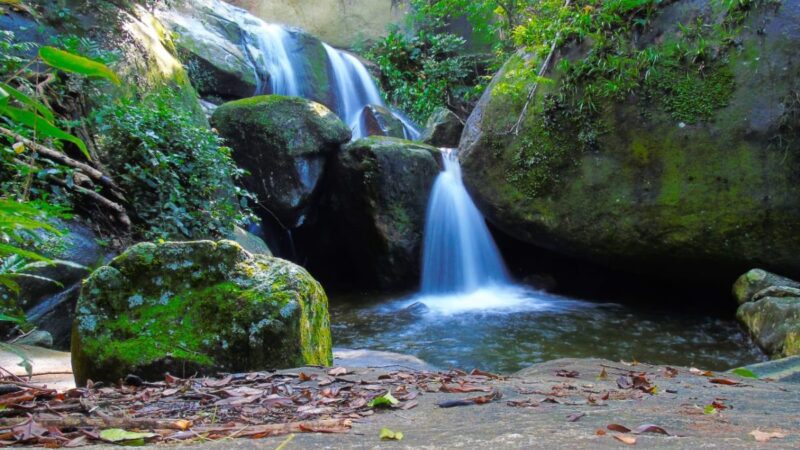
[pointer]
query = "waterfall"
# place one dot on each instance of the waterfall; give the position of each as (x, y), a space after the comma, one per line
(459, 254)
(276, 65)
(355, 89)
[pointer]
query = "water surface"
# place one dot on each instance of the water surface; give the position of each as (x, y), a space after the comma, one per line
(507, 329)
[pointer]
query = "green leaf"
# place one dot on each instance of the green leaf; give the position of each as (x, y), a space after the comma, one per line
(70, 62)
(384, 400)
(746, 373)
(7, 318)
(41, 126)
(6, 249)
(21, 97)
(710, 410)
(120, 436)
(3, 97)
(389, 434)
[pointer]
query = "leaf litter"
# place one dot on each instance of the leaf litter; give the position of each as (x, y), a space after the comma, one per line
(249, 405)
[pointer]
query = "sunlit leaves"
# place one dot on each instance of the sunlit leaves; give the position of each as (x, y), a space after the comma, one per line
(70, 62)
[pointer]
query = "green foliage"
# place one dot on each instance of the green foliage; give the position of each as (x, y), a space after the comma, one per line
(178, 176)
(73, 63)
(423, 72)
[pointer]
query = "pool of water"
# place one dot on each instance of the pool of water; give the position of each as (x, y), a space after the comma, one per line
(507, 329)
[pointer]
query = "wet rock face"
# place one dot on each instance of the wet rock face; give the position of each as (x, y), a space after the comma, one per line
(284, 144)
(686, 182)
(221, 46)
(341, 23)
(770, 310)
(378, 197)
(443, 129)
(197, 306)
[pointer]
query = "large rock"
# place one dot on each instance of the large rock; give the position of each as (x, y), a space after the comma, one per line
(228, 51)
(443, 129)
(694, 174)
(379, 193)
(342, 23)
(197, 307)
(284, 143)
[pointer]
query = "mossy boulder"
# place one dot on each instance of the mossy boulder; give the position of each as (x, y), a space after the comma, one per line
(443, 129)
(283, 143)
(774, 324)
(693, 172)
(378, 197)
(197, 307)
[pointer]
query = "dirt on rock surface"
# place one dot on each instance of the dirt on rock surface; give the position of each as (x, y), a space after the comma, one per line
(567, 403)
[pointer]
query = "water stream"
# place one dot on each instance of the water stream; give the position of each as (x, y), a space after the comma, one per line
(459, 255)
(279, 63)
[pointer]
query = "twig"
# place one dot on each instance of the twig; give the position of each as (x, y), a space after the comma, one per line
(57, 156)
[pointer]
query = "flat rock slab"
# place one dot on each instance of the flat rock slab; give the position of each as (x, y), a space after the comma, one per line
(559, 390)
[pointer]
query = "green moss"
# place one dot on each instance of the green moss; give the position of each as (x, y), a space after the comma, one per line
(198, 306)
(690, 96)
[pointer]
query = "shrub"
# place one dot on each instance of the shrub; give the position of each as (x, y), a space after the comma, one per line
(178, 177)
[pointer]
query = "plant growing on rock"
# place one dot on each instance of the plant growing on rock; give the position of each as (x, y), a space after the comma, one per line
(178, 175)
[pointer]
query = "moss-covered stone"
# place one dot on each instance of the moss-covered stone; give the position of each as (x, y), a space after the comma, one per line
(379, 121)
(284, 143)
(774, 324)
(755, 281)
(378, 196)
(197, 307)
(694, 172)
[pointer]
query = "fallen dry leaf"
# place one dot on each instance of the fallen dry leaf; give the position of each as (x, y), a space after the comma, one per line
(765, 436)
(568, 373)
(619, 428)
(725, 381)
(575, 417)
(650, 428)
(705, 373)
(625, 439)
(600, 432)
(337, 371)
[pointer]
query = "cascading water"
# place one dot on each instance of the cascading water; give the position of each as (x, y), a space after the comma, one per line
(355, 89)
(279, 69)
(460, 255)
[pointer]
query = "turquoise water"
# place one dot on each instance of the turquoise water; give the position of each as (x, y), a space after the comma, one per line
(505, 330)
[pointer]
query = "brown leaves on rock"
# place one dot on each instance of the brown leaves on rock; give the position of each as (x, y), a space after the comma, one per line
(725, 381)
(252, 405)
(636, 381)
(625, 439)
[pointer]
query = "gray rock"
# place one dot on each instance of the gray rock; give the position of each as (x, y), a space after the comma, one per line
(251, 242)
(774, 324)
(785, 369)
(379, 121)
(443, 129)
(757, 280)
(36, 338)
(186, 307)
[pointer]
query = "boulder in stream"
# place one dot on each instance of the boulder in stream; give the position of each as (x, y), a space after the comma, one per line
(187, 307)
(691, 172)
(379, 121)
(284, 144)
(770, 310)
(378, 196)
